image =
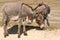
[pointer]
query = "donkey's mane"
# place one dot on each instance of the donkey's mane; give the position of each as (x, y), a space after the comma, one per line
(38, 6)
(28, 6)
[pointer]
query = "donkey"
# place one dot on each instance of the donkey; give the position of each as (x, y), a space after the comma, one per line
(43, 9)
(38, 17)
(16, 10)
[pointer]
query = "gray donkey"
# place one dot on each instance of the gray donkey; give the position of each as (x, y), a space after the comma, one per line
(42, 9)
(16, 10)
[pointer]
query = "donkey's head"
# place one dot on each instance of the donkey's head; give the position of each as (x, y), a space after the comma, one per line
(40, 20)
(38, 15)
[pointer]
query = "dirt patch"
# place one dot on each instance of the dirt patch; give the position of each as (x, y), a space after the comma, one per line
(32, 34)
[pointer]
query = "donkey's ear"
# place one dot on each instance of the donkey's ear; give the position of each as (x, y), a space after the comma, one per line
(43, 2)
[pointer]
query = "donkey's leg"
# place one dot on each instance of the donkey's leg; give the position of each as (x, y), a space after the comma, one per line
(47, 22)
(24, 28)
(19, 26)
(5, 28)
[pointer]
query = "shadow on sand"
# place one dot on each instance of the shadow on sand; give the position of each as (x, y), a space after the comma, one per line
(14, 29)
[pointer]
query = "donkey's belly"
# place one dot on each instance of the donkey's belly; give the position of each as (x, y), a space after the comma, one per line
(14, 18)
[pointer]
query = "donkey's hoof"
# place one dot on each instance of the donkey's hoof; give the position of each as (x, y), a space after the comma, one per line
(25, 34)
(5, 36)
(18, 36)
(48, 24)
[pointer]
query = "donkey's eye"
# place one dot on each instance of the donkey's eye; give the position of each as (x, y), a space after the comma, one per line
(36, 13)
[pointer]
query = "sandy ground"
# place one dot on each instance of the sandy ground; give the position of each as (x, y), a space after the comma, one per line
(33, 34)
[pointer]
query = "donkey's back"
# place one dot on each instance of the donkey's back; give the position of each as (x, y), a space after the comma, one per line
(11, 9)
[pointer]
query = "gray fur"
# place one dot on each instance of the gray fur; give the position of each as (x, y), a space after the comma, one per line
(18, 10)
(44, 10)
